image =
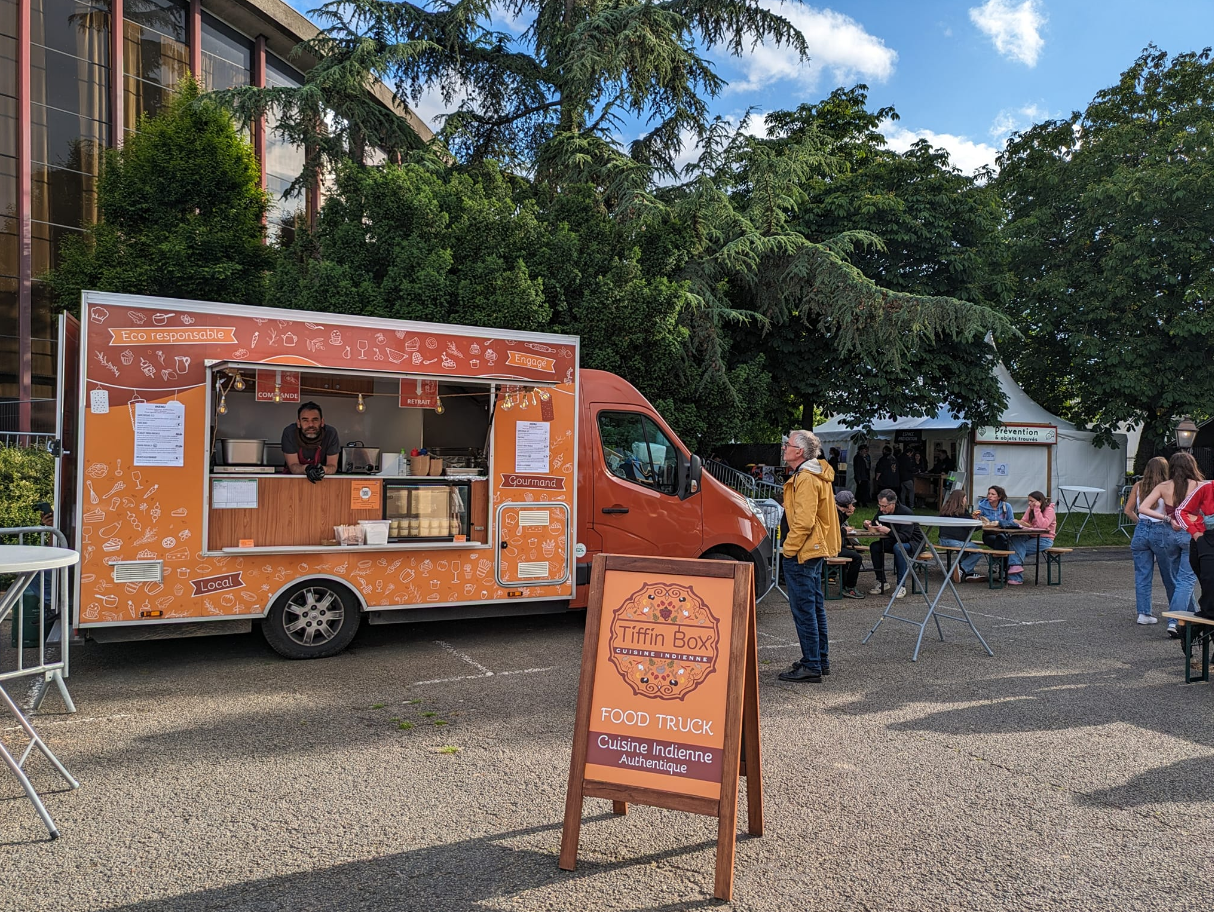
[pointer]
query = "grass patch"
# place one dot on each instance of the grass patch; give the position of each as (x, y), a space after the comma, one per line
(441, 722)
(449, 749)
(405, 726)
(429, 714)
(378, 705)
(412, 702)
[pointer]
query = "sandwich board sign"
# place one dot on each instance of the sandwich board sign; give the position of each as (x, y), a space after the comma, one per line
(668, 702)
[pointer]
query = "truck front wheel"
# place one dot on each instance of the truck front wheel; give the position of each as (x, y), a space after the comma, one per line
(311, 620)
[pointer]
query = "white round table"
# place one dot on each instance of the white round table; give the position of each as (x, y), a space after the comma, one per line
(1089, 496)
(963, 528)
(25, 562)
(33, 559)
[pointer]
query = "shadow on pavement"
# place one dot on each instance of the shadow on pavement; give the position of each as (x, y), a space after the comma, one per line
(459, 876)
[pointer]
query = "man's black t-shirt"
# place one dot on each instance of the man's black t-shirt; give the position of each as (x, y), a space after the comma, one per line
(908, 533)
(293, 442)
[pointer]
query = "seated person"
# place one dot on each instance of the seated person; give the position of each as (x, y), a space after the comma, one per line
(845, 501)
(957, 504)
(1039, 515)
(994, 510)
(309, 442)
(908, 541)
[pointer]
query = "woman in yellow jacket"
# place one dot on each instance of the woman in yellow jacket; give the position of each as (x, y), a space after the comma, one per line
(811, 534)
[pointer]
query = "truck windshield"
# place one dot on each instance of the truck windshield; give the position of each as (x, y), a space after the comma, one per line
(635, 449)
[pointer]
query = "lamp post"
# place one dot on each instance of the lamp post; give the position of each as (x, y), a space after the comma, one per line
(1186, 433)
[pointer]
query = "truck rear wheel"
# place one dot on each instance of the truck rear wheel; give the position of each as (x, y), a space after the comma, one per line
(311, 620)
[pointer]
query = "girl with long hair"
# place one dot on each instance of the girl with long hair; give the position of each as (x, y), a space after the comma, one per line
(957, 504)
(1039, 515)
(1160, 504)
(1151, 542)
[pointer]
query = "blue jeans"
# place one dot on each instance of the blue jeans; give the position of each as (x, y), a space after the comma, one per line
(1183, 598)
(1153, 543)
(968, 561)
(877, 551)
(1024, 546)
(806, 598)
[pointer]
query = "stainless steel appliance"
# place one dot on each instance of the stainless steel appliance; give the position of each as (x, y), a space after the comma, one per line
(358, 459)
(237, 451)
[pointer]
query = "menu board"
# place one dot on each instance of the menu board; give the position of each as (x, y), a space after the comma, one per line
(531, 447)
(159, 434)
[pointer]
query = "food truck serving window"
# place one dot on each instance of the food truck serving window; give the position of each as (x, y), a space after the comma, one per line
(635, 449)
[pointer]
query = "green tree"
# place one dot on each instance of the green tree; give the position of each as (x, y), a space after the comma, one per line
(777, 230)
(1109, 227)
(549, 101)
(182, 213)
(477, 247)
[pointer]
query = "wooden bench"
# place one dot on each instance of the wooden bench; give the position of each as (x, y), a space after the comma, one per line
(834, 573)
(1053, 558)
(1196, 630)
(996, 563)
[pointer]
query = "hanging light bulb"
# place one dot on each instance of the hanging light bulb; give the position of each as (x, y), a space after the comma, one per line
(438, 406)
(238, 383)
(223, 403)
(362, 406)
(278, 386)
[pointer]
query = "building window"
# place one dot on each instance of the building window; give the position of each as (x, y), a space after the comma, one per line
(69, 127)
(284, 162)
(227, 56)
(156, 55)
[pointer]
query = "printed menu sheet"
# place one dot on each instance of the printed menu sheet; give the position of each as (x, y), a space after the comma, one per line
(159, 434)
(531, 447)
(234, 493)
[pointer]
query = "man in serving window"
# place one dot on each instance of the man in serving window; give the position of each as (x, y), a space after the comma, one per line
(309, 446)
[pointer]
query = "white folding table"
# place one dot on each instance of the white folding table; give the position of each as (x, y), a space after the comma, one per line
(25, 563)
(1079, 493)
(960, 528)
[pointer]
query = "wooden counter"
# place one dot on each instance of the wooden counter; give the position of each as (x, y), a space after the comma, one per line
(291, 511)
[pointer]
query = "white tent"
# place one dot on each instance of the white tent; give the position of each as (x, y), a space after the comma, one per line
(1019, 468)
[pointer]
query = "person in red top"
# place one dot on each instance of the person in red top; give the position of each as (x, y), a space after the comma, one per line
(1196, 515)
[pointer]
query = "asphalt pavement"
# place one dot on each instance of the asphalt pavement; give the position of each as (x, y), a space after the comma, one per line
(425, 769)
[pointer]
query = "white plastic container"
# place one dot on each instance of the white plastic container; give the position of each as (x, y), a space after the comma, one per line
(375, 531)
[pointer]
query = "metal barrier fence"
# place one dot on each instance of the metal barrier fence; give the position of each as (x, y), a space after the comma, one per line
(25, 440)
(35, 416)
(731, 477)
(772, 513)
(53, 590)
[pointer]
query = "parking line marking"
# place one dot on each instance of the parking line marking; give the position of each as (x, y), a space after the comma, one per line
(1030, 623)
(499, 674)
(464, 657)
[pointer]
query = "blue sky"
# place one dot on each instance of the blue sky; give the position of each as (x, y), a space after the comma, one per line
(961, 74)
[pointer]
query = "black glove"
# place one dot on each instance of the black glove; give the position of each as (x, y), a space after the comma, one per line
(315, 473)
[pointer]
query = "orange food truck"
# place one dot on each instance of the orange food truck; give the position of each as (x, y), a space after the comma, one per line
(478, 471)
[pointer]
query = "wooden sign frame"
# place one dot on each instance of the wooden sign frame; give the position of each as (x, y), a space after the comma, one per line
(740, 752)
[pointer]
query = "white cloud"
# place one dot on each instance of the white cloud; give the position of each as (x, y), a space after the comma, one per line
(963, 153)
(1015, 29)
(1007, 121)
(836, 43)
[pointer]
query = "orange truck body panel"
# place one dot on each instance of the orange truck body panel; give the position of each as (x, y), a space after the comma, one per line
(144, 496)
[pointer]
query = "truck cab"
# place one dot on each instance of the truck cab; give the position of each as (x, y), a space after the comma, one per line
(641, 491)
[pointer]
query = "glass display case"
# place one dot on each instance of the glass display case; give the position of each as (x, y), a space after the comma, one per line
(423, 511)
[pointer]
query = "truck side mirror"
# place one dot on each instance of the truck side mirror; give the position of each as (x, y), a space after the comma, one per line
(689, 472)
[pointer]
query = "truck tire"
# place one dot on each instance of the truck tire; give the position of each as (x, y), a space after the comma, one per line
(722, 556)
(313, 619)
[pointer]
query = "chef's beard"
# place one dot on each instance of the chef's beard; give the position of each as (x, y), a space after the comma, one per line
(310, 434)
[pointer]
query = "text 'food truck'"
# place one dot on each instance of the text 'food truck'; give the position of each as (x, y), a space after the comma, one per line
(437, 472)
